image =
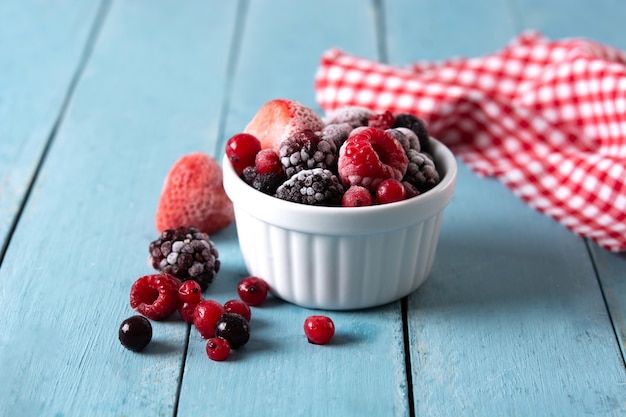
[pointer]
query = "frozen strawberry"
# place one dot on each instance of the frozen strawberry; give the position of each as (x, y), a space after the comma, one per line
(369, 157)
(278, 119)
(193, 195)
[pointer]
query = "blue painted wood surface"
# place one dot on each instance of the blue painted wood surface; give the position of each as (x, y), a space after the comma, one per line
(519, 317)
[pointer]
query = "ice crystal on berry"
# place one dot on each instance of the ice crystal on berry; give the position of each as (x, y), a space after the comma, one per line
(306, 150)
(317, 186)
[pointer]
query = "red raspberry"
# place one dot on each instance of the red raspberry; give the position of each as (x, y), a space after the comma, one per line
(155, 296)
(241, 149)
(217, 349)
(319, 329)
(369, 157)
(253, 290)
(190, 292)
(268, 162)
(193, 195)
(278, 119)
(382, 121)
(357, 196)
(206, 316)
(238, 307)
(390, 191)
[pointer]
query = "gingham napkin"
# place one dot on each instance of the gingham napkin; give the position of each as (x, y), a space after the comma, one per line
(547, 118)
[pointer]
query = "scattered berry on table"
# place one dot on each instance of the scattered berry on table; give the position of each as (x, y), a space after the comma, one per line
(306, 150)
(357, 196)
(135, 333)
(241, 150)
(354, 115)
(421, 171)
(418, 126)
(382, 121)
(186, 310)
(336, 133)
(253, 290)
(390, 191)
(268, 162)
(265, 183)
(239, 307)
(319, 330)
(369, 157)
(205, 317)
(317, 187)
(217, 349)
(278, 119)
(155, 296)
(234, 328)
(193, 194)
(186, 253)
(190, 292)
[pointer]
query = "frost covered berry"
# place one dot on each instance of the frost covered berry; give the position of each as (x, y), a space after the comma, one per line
(317, 187)
(417, 125)
(357, 196)
(265, 183)
(186, 253)
(306, 150)
(421, 171)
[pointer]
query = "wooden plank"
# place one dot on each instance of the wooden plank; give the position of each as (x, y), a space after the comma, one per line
(512, 320)
(278, 372)
(32, 37)
(151, 92)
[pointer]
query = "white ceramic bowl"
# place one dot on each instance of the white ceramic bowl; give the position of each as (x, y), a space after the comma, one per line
(340, 258)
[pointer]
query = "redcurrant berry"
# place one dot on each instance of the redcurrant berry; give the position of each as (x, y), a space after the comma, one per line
(356, 196)
(217, 349)
(190, 292)
(253, 290)
(205, 317)
(390, 191)
(186, 310)
(319, 329)
(268, 162)
(241, 150)
(238, 307)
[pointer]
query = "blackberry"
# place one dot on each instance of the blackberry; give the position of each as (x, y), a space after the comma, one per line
(336, 133)
(407, 138)
(354, 115)
(186, 253)
(417, 126)
(266, 183)
(306, 150)
(421, 172)
(317, 186)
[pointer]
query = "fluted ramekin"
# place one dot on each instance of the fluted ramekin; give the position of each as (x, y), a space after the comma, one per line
(339, 258)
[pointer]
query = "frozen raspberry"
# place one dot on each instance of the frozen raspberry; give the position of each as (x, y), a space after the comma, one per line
(135, 333)
(217, 349)
(382, 121)
(336, 133)
(319, 329)
(418, 126)
(266, 183)
(193, 195)
(357, 196)
(239, 307)
(234, 328)
(421, 172)
(317, 186)
(390, 191)
(278, 119)
(268, 162)
(306, 150)
(241, 150)
(354, 115)
(253, 290)
(186, 253)
(205, 317)
(369, 157)
(155, 296)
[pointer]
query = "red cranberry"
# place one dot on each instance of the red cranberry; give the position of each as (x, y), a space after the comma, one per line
(241, 150)
(205, 317)
(217, 349)
(319, 329)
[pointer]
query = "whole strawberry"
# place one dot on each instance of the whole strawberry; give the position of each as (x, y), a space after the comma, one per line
(193, 195)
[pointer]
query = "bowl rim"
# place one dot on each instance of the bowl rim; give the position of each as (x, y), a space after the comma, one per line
(344, 220)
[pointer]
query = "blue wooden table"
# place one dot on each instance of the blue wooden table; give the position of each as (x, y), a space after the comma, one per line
(97, 100)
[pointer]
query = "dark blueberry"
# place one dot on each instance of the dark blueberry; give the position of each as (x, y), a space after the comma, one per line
(135, 333)
(234, 328)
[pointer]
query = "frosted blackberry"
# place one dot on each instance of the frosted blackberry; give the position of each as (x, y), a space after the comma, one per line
(266, 183)
(417, 126)
(317, 186)
(421, 172)
(306, 150)
(186, 253)
(407, 138)
(336, 133)
(354, 115)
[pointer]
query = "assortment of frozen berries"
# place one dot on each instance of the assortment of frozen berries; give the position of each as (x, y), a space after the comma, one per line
(353, 157)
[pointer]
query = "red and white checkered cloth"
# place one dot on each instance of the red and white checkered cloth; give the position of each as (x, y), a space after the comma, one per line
(547, 118)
